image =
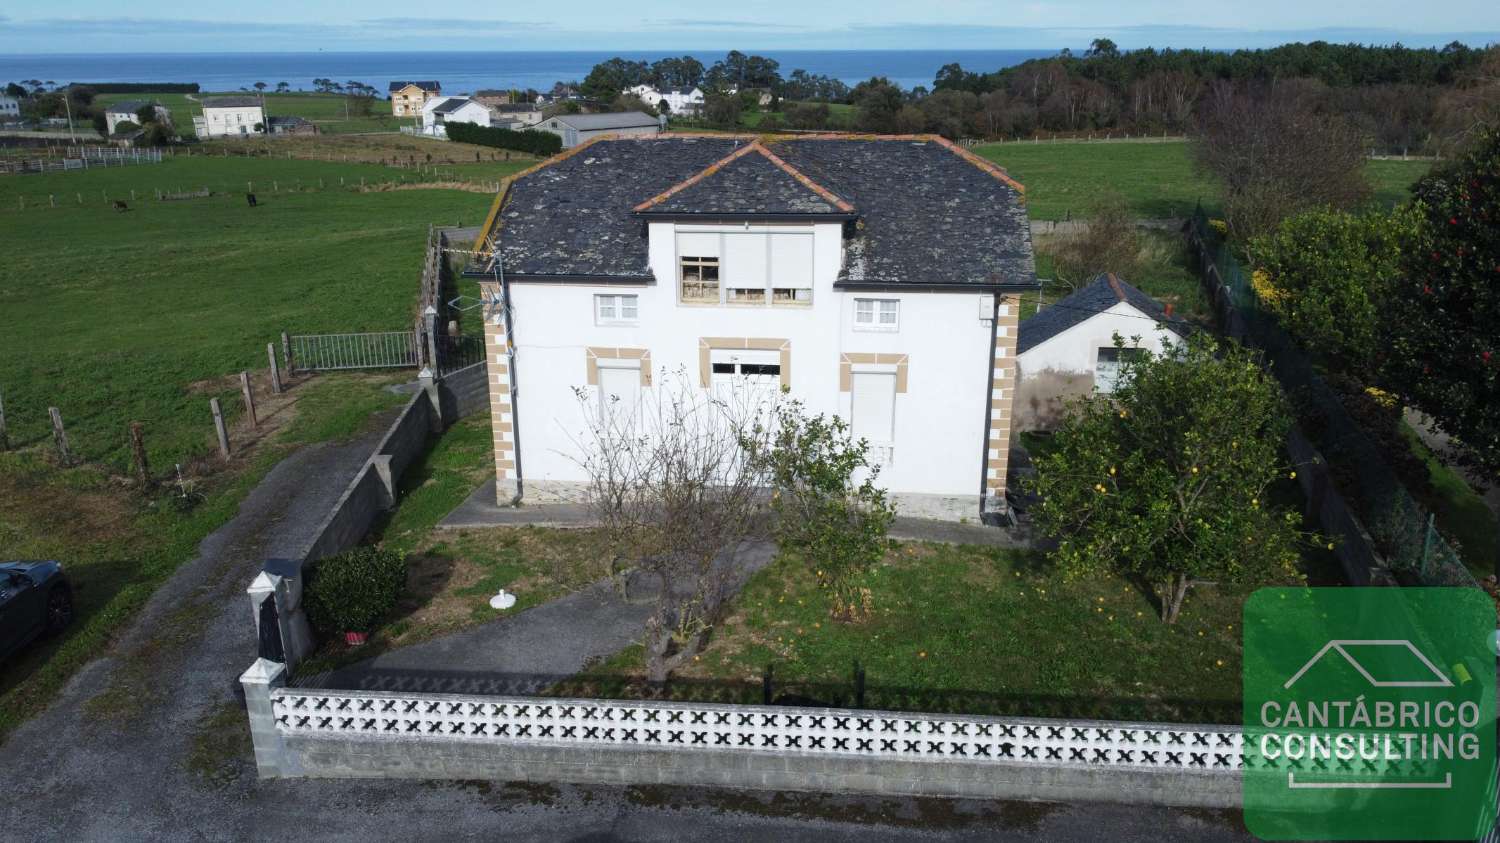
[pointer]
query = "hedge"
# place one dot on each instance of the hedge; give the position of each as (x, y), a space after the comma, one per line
(140, 87)
(526, 140)
(351, 591)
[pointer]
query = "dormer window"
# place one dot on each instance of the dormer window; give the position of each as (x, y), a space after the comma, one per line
(700, 279)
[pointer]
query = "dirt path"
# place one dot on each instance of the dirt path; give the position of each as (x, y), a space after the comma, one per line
(150, 743)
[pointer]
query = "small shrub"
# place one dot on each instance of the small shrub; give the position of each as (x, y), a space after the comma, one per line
(351, 591)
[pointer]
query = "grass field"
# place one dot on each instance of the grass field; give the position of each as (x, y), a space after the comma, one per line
(1158, 179)
(326, 110)
(146, 315)
(115, 315)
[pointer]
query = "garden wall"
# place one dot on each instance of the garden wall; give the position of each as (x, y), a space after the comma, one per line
(372, 492)
(302, 732)
(464, 392)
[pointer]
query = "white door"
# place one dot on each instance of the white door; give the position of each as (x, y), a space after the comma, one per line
(619, 390)
(873, 408)
(746, 380)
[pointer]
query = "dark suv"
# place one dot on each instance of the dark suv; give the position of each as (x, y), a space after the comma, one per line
(35, 598)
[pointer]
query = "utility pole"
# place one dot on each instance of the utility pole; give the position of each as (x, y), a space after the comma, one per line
(68, 104)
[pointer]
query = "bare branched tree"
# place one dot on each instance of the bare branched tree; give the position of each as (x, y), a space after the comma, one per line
(1110, 242)
(677, 496)
(1277, 151)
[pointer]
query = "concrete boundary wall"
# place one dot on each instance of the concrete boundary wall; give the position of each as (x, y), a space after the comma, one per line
(370, 493)
(302, 732)
(465, 391)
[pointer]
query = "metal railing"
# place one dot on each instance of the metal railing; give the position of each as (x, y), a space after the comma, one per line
(374, 350)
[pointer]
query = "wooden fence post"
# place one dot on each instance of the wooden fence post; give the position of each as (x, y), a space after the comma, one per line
(286, 353)
(4, 438)
(60, 436)
(249, 398)
(138, 454)
(275, 373)
(213, 404)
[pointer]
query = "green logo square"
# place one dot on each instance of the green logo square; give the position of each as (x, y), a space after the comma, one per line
(1369, 713)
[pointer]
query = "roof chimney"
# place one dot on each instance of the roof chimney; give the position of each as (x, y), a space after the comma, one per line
(1169, 310)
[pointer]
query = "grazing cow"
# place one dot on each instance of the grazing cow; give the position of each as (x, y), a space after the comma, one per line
(120, 206)
(250, 198)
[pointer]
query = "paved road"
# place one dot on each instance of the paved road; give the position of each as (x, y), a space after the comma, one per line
(149, 742)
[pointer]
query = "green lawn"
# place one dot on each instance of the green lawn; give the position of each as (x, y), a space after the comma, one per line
(146, 315)
(1460, 514)
(1157, 179)
(327, 110)
(970, 629)
(114, 316)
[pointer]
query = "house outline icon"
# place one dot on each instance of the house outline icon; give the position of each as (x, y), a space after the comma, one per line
(1338, 644)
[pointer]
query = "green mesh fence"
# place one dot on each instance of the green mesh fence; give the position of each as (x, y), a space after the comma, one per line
(1402, 530)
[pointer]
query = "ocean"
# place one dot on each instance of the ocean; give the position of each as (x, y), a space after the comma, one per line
(465, 72)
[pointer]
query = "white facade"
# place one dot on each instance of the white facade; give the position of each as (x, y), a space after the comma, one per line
(10, 108)
(230, 121)
(678, 100)
(1080, 360)
(113, 117)
(910, 370)
(470, 111)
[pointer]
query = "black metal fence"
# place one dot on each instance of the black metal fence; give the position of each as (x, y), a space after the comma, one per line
(1402, 530)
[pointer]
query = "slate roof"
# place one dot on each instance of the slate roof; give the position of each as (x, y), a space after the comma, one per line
(928, 213)
(1099, 295)
(427, 85)
(125, 107)
(230, 102)
(288, 121)
(450, 105)
(750, 181)
(618, 120)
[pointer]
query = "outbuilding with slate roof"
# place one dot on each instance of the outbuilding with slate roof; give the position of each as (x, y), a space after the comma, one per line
(877, 278)
(1068, 347)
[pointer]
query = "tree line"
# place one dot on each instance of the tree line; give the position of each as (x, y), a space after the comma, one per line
(1400, 99)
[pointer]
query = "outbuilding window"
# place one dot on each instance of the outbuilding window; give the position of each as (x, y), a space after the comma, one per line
(1111, 363)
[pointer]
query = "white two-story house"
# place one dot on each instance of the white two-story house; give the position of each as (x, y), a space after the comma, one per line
(876, 279)
(676, 100)
(230, 117)
(438, 113)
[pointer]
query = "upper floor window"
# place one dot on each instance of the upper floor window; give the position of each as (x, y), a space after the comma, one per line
(700, 279)
(750, 265)
(616, 309)
(877, 314)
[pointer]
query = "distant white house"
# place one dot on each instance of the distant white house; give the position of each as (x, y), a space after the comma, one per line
(677, 100)
(10, 108)
(524, 114)
(437, 113)
(1068, 348)
(126, 112)
(230, 117)
(579, 128)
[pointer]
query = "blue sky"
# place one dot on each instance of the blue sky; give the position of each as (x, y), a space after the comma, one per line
(36, 26)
